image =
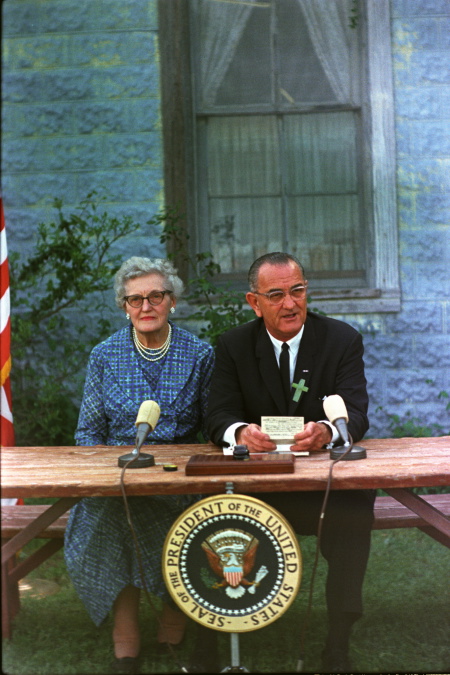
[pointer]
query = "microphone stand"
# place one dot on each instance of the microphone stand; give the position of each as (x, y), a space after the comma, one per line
(137, 459)
(343, 452)
(348, 451)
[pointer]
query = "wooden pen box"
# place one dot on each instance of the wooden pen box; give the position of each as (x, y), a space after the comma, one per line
(214, 465)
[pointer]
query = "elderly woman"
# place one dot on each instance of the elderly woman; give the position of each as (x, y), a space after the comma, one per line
(151, 358)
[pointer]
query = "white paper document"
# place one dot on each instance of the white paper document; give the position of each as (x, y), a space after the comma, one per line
(282, 431)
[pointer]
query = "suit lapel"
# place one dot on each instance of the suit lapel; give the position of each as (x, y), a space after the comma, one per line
(304, 366)
(268, 368)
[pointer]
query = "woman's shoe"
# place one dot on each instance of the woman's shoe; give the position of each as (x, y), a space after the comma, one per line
(172, 626)
(127, 665)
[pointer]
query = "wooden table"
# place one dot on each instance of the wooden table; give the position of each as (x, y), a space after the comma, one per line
(70, 473)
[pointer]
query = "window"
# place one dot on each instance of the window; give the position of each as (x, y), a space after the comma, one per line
(284, 138)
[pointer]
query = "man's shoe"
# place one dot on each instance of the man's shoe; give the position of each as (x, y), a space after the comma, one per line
(128, 665)
(204, 662)
(202, 667)
(336, 661)
(205, 656)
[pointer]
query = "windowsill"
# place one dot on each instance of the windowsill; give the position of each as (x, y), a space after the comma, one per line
(358, 301)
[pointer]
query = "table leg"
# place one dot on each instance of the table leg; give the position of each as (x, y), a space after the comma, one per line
(10, 599)
(11, 574)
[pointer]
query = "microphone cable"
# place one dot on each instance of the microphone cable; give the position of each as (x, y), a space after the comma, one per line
(140, 563)
(316, 557)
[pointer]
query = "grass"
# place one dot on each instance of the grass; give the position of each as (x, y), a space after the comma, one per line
(405, 628)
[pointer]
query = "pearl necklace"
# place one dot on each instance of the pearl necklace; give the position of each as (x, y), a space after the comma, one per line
(148, 353)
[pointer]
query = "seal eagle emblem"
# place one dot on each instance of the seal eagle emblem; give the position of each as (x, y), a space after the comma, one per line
(232, 563)
(231, 555)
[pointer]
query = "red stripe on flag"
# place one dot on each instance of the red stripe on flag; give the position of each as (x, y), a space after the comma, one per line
(7, 434)
(7, 429)
(4, 277)
(5, 342)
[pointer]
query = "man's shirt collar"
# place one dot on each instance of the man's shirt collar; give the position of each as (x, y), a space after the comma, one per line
(294, 343)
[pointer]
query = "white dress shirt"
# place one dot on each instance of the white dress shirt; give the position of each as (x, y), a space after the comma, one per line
(229, 436)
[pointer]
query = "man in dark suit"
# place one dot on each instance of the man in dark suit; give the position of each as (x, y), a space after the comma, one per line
(323, 357)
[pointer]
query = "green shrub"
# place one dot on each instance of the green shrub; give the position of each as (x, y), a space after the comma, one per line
(217, 308)
(55, 295)
(58, 311)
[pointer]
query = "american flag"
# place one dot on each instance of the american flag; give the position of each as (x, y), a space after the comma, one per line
(6, 427)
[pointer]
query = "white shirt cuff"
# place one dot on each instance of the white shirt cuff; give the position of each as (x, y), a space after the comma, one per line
(230, 437)
(333, 429)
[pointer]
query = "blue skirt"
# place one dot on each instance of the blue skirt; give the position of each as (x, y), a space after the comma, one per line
(100, 553)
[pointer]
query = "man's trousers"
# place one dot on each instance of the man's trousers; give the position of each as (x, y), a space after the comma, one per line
(345, 538)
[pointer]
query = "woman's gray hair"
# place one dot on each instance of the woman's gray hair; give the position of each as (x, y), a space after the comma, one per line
(138, 267)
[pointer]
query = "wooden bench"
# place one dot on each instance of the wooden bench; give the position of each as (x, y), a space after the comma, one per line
(14, 520)
(389, 513)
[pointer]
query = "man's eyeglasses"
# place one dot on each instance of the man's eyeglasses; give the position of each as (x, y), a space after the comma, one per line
(154, 298)
(277, 297)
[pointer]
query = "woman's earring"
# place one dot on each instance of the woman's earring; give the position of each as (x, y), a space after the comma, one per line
(128, 316)
(172, 310)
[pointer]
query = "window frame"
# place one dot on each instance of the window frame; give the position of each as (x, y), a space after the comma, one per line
(379, 163)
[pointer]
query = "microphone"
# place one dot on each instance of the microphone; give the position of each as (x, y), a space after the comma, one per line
(146, 420)
(336, 412)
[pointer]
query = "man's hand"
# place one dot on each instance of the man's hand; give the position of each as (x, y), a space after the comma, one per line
(312, 439)
(254, 439)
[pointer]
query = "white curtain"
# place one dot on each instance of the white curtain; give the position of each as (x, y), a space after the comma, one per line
(273, 183)
(222, 25)
(328, 26)
(244, 189)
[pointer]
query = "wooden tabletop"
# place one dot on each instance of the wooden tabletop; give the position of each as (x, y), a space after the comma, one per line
(93, 471)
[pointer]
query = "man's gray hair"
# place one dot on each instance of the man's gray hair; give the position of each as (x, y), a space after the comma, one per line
(138, 267)
(276, 258)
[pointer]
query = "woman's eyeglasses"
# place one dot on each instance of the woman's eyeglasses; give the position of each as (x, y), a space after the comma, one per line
(154, 298)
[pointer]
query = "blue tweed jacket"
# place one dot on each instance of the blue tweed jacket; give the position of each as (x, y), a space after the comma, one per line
(118, 380)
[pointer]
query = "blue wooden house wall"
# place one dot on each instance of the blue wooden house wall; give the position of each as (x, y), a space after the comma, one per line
(81, 111)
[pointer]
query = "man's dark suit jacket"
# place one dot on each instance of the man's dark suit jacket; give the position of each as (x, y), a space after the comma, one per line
(246, 383)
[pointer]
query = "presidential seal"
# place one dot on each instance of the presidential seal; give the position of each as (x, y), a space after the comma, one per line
(232, 563)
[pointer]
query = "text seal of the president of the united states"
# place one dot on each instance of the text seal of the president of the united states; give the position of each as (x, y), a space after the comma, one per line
(232, 563)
